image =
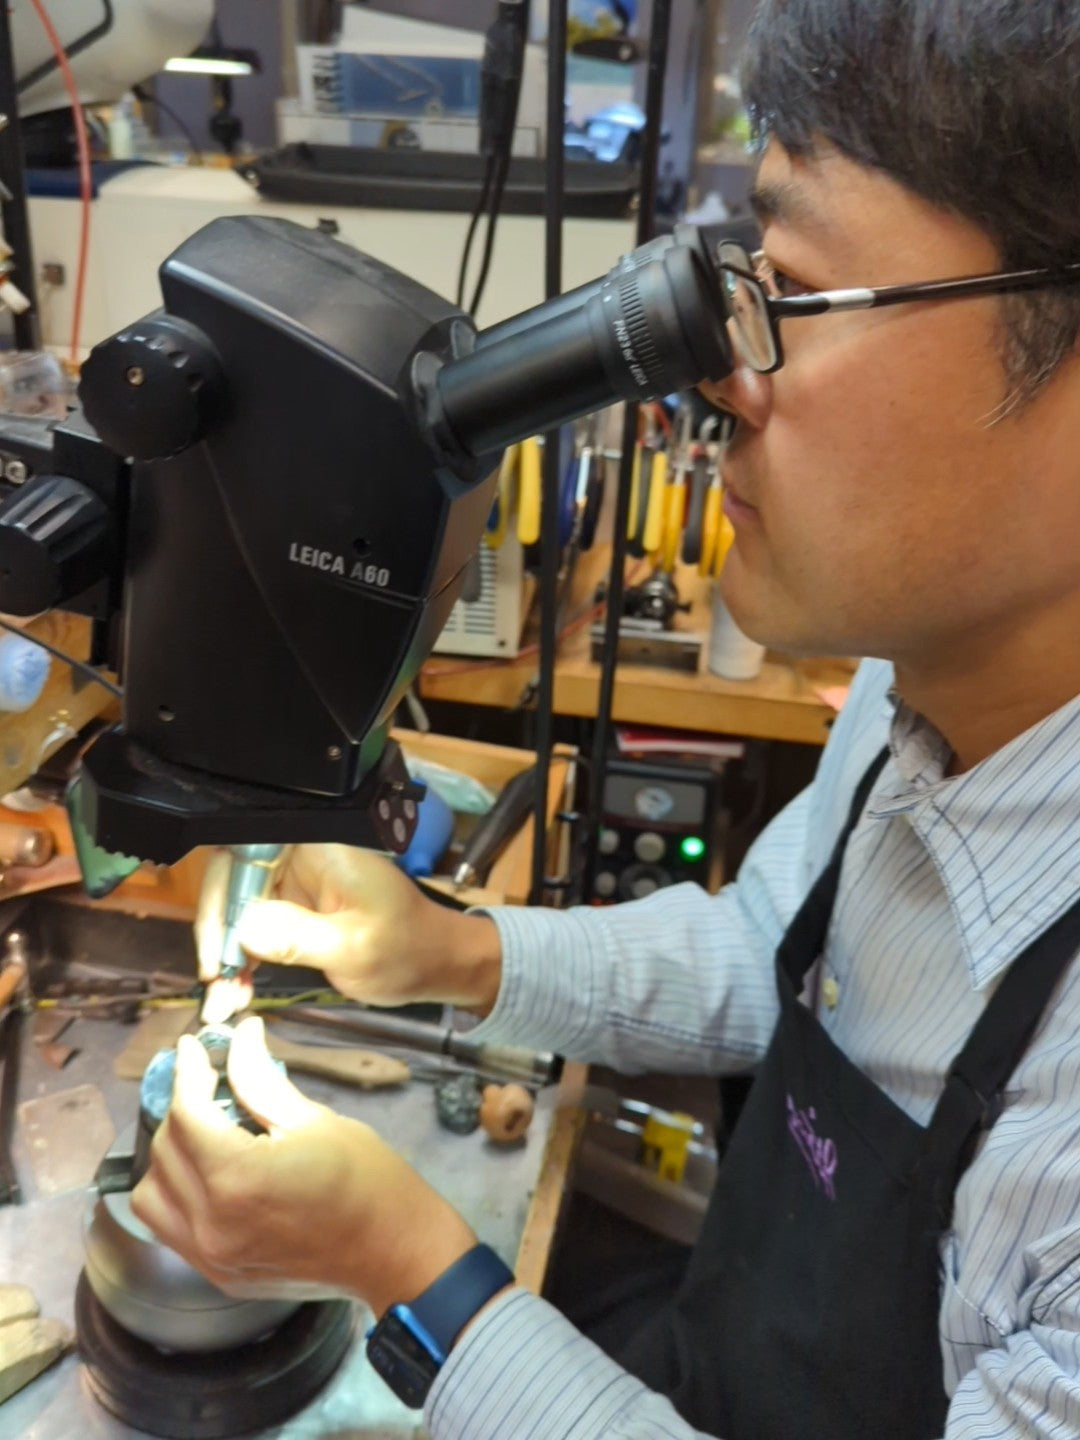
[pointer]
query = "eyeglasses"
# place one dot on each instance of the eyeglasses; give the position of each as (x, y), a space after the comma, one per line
(756, 305)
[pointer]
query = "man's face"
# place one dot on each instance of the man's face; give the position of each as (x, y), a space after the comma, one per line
(878, 510)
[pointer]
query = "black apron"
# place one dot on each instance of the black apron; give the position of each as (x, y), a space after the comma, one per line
(810, 1305)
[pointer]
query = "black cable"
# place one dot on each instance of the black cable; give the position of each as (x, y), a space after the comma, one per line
(73, 48)
(178, 120)
(481, 206)
(502, 167)
(650, 150)
(549, 511)
(500, 90)
(80, 665)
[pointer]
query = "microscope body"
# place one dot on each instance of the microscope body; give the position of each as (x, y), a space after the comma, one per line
(268, 502)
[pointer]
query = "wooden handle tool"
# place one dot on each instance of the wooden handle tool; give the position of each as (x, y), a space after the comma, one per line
(366, 1069)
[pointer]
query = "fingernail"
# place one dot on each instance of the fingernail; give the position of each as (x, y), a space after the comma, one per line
(223, 999)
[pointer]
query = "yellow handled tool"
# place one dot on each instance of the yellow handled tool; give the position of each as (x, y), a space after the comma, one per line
(674, 515)
(723, 544)
(665, 1143)
(653, 533)
(635, 495)
(495, 533)
(710, 526)
(529, 492)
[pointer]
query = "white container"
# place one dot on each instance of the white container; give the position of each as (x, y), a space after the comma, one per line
(732, 655)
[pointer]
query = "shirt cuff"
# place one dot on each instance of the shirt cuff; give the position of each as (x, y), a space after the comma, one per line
(521, 1368)
(549, 989)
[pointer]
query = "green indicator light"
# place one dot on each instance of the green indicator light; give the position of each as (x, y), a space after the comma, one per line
(692, 848)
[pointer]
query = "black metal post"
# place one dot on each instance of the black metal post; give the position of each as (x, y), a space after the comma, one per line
(650, 150)
(549, 523)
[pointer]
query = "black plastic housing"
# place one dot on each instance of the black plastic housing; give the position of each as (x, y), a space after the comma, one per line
(286, 576)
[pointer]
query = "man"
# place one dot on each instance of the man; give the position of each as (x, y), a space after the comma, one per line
(894, 1245)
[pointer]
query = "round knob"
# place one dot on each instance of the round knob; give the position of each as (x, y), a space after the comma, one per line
(608, 842)
(637, 881)
(54, 543)
(650, 847)
(154, 389)
(605, 884)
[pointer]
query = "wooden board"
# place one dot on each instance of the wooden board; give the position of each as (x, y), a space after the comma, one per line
(552, 1187)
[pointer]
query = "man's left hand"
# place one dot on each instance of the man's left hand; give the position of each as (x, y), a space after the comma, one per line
(318, 1205)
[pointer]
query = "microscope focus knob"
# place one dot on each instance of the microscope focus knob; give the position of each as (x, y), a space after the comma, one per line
(154, 389)
(55, 539)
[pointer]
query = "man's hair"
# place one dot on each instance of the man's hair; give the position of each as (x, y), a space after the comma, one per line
(972, 104)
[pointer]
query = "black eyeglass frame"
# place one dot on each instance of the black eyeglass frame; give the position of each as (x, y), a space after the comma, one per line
(821, 302)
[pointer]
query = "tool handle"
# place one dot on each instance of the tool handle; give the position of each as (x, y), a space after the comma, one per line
(674, 513)
(365, 1069)
(594, 500)
(641, 478)
(695, 519)
(529, 492)
(724, 541)
(511, 1061)
(653, 532)
(633, 520)
(496, 828)
(710, 528)
(495, 533)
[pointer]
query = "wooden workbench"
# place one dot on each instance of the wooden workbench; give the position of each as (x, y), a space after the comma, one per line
(783, 703)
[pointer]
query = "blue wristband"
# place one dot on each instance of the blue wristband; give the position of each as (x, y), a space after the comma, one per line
(409, 1345)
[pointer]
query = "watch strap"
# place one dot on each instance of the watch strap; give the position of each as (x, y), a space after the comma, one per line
(451, 1301)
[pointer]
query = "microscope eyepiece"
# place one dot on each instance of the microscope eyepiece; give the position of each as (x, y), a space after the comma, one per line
(655, 324)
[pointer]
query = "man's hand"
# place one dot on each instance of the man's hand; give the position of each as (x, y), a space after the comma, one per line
(319, 1205)
(352, 914)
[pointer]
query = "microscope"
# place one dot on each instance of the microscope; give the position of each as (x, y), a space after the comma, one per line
(266, 503)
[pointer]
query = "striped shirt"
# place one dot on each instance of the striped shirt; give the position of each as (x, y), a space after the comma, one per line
(945, 881)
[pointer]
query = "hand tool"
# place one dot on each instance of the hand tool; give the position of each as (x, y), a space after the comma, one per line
(594, 497)
(587, 491)
(507, 1061)
(529, 491)
(675, 494)
(348, 1065)
(251, 876)
(495, 829)
(499, 515)
(653, 532)
(641, 475)
(569, 522)
(695, 514)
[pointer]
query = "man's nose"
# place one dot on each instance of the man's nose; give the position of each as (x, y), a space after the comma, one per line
(745, 393)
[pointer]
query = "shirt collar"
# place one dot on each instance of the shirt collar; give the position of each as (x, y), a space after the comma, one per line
(1004, 836)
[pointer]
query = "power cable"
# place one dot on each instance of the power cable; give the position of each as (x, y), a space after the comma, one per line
(82, 666)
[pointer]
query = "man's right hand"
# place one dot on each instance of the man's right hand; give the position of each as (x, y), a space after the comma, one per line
(352, 914)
